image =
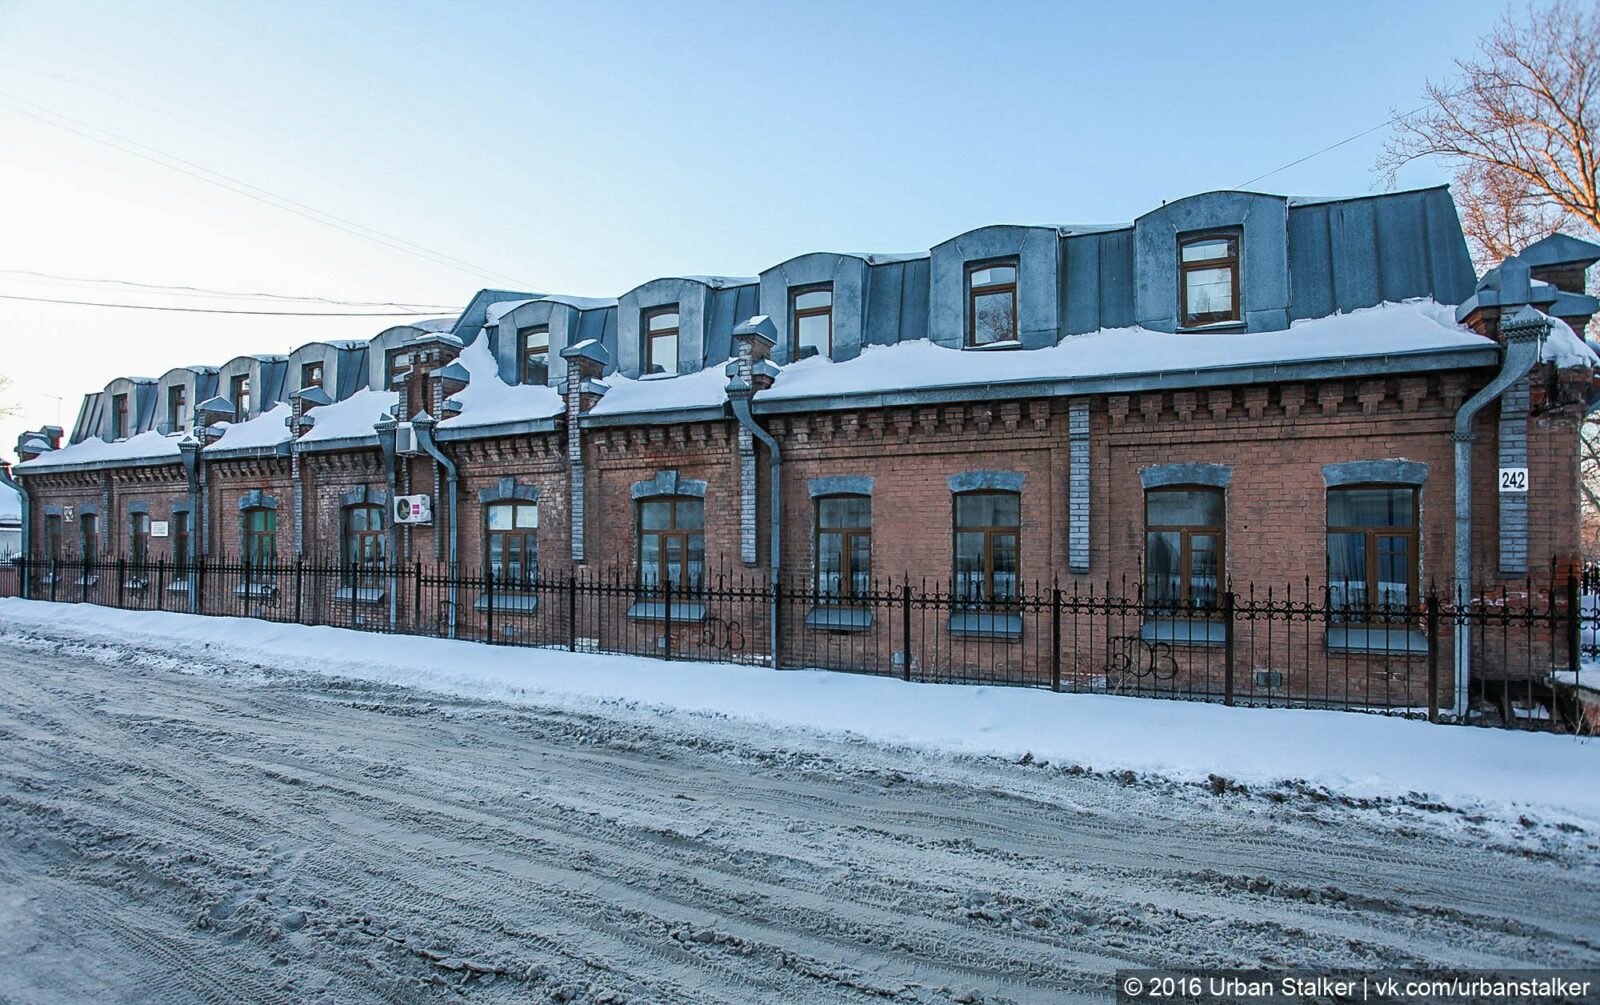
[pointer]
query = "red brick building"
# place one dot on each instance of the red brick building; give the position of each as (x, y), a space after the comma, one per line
(1236, 391)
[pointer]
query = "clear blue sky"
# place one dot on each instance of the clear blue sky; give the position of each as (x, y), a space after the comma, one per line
(588, 147)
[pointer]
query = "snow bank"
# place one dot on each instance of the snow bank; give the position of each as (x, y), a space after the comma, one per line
(487, 399)
(265, 430)
(354, 416)
(1501, 771)
(706, 388)
(1411, 326)
(148, 446)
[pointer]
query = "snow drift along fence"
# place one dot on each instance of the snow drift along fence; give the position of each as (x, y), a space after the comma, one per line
(1296, 646)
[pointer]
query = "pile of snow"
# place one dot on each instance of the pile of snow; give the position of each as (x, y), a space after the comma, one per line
(354, 416)
(268, 429)
(706, 388)
(488, 400)
(1363, 756)
(148, 446)
(1565, 349)
(1385, 330)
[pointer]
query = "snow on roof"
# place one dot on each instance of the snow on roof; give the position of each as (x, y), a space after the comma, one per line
(1412, 326)
(265, 430)
(149, 446)
(433, 324)
(496, 311)
(354, 416)
(1565, 349)
(488, 400)
(706, 388)
(720, 282)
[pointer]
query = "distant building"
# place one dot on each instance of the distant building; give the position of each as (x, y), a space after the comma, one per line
(1234, 388)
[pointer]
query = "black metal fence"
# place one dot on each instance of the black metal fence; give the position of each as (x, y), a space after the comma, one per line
(1280, 646)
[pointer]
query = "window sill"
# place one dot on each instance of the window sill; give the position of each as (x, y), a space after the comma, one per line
(987, 626)
(996, 346)
(839, 619)
(1215, 326)
(1378, 641)
(86, 581)
(359, 595)
(655, 610)
(135, 584)
(510, 602)
(178, 586)
(265, 591)
(1197, 632)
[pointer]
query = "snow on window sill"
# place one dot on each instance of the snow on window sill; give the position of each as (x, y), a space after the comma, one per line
(510, 602)
(988, 626)
(178, 586)
(359, 595)
(1184, 631)
(86, 581)
(264, 590)
(1215, 326)
(136, 584)
(1381, 641)
(655, 610)
(996, 346)
(839, 619)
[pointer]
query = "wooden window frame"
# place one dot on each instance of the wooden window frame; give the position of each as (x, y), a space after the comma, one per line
(305, 373)
(355, 571)
(522, 353)
(846, 592)
(796, 313)
(392, 379)
(676, 332)
(1230, 262)
(1185, 552)
(258, 547)
(972, 268)
(526, 538)
(1373, 615)
(990, 533)
(53, 537)
(239, 390)
(682, 535)
(89, 535)
(138, 540)
(180, 539)
(177, 401)
(119, 416)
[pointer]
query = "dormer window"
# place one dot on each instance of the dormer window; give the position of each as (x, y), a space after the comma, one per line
(396, 365)
(119, 416)
(177, 400)
(239, 391)
(310, 375)
(991, 303)
(1208, 280)
(811, 321)
(661, 340)
(534, 352)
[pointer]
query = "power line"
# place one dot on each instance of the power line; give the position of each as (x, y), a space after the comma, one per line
(220, 310)
(1333, 146)
(168, 289)
(249, 191)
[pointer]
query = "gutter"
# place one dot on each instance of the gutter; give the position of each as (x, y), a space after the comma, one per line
(741, 411)
(189, 454)
(424, 424)
(386, 429)
(1523, 332)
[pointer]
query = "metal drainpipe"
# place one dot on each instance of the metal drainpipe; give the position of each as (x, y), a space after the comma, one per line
(190, 456)
(741, 411)
(424, 428)
(1522, 334)
(386, 429)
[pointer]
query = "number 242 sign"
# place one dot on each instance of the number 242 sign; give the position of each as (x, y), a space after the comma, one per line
(1513, 479)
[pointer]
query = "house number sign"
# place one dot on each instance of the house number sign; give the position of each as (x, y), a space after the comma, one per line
(158, 528)
(1513, 479)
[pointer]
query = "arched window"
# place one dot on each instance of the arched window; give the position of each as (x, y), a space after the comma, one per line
(844, 546)
(672, 543)
(511, 542)
(661, 339)
(1372, 552)
(1208, 280)
(260, 535)
(138, 539)
(89, 532)
(991, 303)
(52, 537)
(180, 539)
(1183, 532)
(365, 545)
(988, 538)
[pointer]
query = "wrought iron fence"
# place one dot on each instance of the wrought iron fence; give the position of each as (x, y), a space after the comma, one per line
(1271, 646)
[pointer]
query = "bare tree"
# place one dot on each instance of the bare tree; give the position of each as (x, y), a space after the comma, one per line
(1519, 127)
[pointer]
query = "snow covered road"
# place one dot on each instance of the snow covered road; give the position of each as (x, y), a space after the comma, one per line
(178, 826)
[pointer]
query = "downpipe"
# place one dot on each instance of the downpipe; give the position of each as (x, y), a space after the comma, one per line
(741, 411)
(1523, 336)
(424, 429)
(387, 429)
